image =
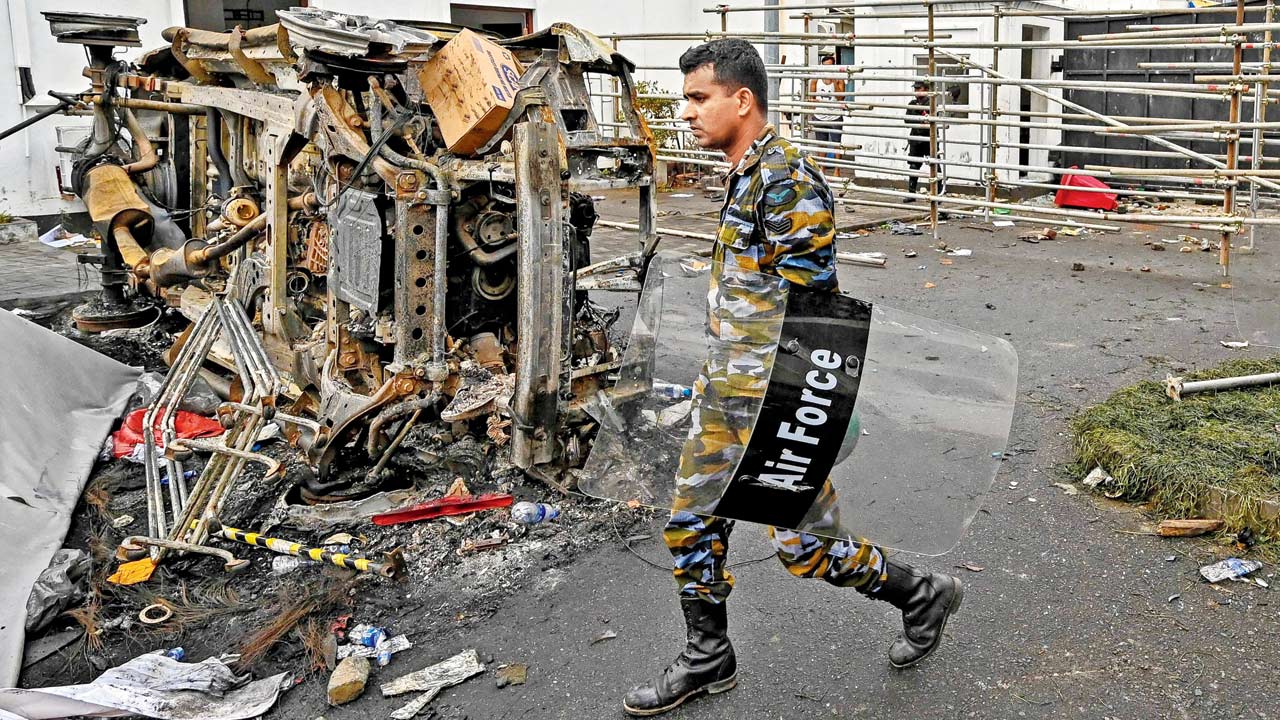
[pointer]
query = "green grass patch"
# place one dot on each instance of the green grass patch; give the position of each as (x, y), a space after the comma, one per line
(1173, 454)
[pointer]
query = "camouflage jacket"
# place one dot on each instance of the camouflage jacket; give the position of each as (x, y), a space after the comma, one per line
(776, 230)
(777, 215)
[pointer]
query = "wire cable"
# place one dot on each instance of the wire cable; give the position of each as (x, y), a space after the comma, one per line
(626, 543)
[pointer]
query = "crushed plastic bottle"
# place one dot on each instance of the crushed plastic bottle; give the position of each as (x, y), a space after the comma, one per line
(671, 391)
(367, 635)
(176, 653)
(531, 513)
(384, 652)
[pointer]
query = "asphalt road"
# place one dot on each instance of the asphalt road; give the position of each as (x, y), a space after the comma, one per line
(1071, 615)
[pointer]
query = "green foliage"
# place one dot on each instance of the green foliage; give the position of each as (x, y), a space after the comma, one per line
(1178, 456)
(657, 109)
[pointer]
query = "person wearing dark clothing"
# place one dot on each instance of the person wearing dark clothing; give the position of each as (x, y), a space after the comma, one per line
(918, 142)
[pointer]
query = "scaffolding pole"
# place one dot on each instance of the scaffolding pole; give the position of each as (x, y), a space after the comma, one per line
(870, 105)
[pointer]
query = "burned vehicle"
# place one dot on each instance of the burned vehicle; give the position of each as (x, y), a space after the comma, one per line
(350, 262)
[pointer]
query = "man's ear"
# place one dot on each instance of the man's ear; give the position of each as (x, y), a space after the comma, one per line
(746, 101)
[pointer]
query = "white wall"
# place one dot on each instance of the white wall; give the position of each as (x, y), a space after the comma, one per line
(28, 184)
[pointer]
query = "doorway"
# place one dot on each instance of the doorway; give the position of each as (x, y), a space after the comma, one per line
(1035, 66)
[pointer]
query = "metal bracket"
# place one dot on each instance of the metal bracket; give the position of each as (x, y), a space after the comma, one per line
(252, 68)
(526, 98)
(194, 68)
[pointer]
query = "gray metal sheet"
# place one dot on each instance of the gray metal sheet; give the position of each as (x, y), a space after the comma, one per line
(356, 248)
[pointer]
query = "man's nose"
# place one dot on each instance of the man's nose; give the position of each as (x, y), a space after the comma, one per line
(686, 113)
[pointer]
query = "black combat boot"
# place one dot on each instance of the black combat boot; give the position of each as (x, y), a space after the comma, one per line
(706, 665)
(926, 601)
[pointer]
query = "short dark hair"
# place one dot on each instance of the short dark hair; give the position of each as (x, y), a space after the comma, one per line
(736, 64)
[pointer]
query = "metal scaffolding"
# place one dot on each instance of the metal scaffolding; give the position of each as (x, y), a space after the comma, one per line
(871, 112)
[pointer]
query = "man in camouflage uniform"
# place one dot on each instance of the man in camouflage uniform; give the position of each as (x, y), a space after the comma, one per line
(777, 220)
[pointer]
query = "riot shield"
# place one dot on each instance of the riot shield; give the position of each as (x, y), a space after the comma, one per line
(744, 397)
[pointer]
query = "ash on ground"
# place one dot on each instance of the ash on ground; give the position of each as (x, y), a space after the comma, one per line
(278, 618)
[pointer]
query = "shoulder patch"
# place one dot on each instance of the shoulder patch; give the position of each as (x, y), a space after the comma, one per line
(779, 194)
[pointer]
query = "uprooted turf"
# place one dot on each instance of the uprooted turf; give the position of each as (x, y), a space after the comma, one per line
(1179, 456)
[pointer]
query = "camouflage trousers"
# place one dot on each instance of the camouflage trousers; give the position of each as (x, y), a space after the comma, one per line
(722, 421)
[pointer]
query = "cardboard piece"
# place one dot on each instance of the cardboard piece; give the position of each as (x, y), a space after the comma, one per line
(471, 84)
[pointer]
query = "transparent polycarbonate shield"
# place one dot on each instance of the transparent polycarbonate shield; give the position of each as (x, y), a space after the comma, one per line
(1255, 296)
(743, 397)
(683, 327)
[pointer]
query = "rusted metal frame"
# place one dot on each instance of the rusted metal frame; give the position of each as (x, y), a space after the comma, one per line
(421, 236)
(385, 457)
(274, 109)
(190, 528)
(200, 491)
(1233, 147)
(177, 108)
(197, 344)
(262, 393)
(308, 423)
(257, 374)
(253, 37)
(543, 282)
(396, 386)
(252, 68)
(252, 352)
(135, 547)
(648, 210)
(186, 373)
(194, 68)
(340, 120)
(419, 325)
(231, 471)
(273, 466)
(276, 191)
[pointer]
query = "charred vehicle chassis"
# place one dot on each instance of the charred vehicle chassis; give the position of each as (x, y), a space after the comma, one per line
(288, 191)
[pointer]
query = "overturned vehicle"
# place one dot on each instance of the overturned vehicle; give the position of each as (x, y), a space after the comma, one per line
(370, 227)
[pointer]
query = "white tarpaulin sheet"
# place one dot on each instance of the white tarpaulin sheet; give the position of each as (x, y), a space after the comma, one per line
(58, 400)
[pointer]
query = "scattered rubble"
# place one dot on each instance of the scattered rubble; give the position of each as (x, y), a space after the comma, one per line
(511, 675)
(1229, 569)
(154, 686)
(431, 680)
(348, 680)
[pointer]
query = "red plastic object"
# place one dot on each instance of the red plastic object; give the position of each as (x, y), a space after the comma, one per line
(185, 424)
(1088, 200)
(453, 505)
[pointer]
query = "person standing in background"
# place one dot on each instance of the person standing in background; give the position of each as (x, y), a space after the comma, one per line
(827, 90)
(918, 141)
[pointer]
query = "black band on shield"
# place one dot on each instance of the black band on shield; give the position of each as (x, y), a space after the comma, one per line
(806, 410)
